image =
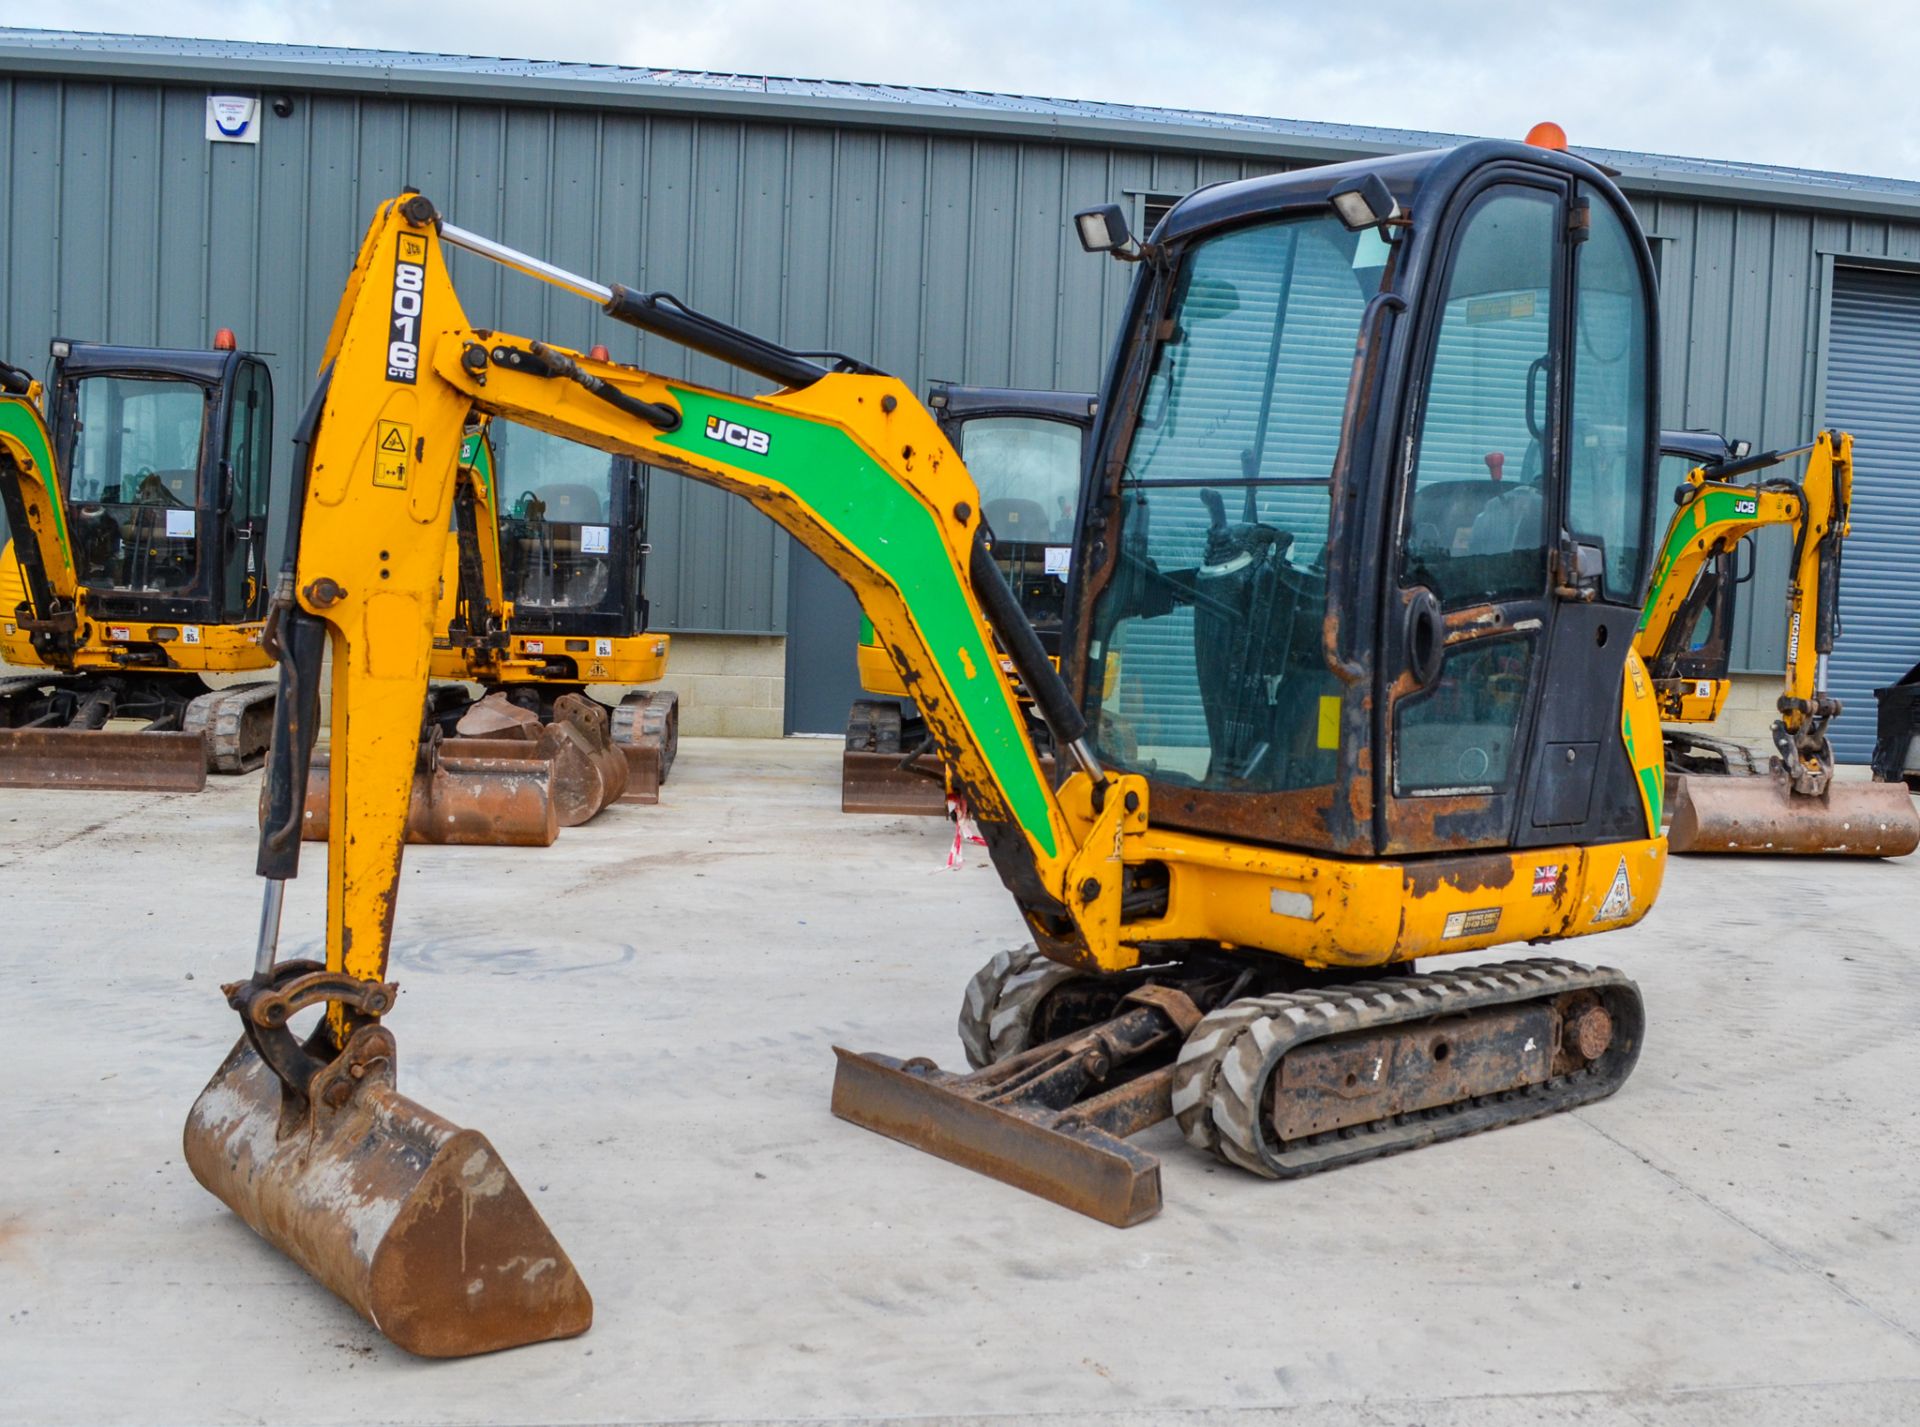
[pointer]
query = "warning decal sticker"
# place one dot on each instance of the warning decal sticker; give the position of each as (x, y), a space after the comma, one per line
(1475, 923)
(392, 454)
(1619, 901)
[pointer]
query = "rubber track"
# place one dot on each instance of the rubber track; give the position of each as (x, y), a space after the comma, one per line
(996, 1014)
(649, 716)
(1226, 1062)
(222, 717)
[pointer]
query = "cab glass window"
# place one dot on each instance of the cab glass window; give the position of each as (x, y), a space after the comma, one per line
(1028, 472)
(1607, 430)
(1477, 512)
(133, 481)
(1205, 645)
(556, 502)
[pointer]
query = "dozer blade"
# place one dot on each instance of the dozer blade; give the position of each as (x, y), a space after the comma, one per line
(480, 792)
(1763, 814)
(881, 783)
(1062, 1156)
(416, 1223)
(103, 758)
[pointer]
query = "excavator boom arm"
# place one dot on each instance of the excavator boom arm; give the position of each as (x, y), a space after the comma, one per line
(850, 464)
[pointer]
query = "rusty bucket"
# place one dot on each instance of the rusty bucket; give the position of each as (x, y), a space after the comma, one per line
(416, 1223)
(1730, 813)
(468, 792)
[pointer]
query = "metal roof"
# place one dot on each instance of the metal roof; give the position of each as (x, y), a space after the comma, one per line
(260, 65)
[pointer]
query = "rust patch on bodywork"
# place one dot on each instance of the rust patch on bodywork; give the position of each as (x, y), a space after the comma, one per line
(1463, 874)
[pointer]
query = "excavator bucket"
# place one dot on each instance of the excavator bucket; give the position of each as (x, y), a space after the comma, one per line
(416, 1223)
(1763, 814)
(588, 771)
(471, 792)
(506, 779)
(103, 758)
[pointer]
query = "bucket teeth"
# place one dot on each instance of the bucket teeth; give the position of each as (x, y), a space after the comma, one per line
(416, 1223)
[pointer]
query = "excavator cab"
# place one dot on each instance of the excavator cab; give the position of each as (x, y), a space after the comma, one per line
(168, 461)
(161, 462)
(1366, 541)
(570, 526)
(1025, 450)
(573, 535)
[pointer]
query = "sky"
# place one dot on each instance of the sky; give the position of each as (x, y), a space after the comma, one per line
(1810, 83)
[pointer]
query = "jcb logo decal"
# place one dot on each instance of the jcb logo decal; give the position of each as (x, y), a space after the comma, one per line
(734, 434)
(409, 285)
(1746, 507)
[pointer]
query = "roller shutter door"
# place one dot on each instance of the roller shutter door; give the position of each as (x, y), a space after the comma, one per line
(1873, 390)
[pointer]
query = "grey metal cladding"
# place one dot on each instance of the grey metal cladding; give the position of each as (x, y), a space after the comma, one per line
(932, 255)
(933, 251)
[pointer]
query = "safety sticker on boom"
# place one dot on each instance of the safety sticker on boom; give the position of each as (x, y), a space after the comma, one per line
(392, 453)
(409, 287)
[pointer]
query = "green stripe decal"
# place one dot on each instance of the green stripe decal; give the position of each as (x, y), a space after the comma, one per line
(851, 492)
(19, 420)
(1718, 508)
(477, 452)
(1653, 785)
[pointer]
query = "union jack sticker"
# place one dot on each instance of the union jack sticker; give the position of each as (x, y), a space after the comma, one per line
(1545, 879)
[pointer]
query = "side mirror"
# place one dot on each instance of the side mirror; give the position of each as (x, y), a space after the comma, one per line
(1104, 230)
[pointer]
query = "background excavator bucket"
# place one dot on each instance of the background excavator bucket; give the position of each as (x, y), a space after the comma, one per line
(103, 758)
(1763, 814)
(416, 1223)
(478, 792)
(892, 783)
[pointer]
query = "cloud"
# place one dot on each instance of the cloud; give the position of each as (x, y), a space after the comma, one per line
(1811, 83)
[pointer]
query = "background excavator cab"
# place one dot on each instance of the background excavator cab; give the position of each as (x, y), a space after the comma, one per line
(573, 534)
(1025, 450)
(157, 466)
(167, 457)
(1369, 564)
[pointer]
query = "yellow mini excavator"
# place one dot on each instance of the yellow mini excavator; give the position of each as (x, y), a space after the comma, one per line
(137, 507)
(1722, 800)
(1374, 592)
(1024, 450)
(543, 594)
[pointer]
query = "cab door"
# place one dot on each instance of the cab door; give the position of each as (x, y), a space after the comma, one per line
(1522, 530)
(245, 485)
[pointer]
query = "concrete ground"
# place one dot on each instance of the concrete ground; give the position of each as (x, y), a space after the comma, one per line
(640, 1016)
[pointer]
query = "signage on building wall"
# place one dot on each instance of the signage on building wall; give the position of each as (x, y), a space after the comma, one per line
(233, 119)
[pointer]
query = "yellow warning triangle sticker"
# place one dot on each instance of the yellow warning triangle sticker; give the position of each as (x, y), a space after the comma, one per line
(391, 441)
(1619, 901)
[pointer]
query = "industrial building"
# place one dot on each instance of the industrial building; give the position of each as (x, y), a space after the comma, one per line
(925, 231)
